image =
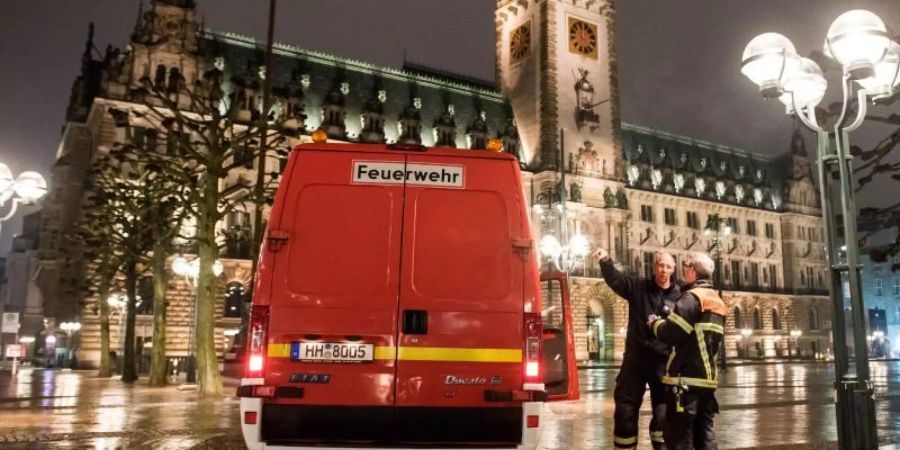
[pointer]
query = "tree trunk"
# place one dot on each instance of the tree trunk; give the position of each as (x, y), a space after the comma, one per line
(208, 380)
(160, 304)
(103, 298)
(129, 371)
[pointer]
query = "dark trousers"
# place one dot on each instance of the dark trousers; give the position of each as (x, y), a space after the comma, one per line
(690, 416)
(639, 369)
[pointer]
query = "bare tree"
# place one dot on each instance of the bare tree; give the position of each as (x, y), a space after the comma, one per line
(209, 132)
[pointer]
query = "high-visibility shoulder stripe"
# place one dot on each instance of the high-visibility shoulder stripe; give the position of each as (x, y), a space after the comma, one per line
(504, 355)
(678, 320)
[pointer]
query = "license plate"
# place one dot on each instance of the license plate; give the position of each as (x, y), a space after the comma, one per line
(344, 352)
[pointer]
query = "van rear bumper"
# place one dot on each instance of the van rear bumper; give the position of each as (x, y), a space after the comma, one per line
(389, 426)
(313, 427)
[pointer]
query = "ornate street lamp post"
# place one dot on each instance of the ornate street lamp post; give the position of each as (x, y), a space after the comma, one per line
(26, 189)
(564, 253)
(858, 41)
(190, 270)
(716, 227)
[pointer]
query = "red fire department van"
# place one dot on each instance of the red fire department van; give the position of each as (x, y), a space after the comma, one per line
(398, 304)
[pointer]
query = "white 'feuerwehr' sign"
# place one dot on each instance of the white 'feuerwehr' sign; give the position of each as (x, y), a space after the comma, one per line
(418, 174)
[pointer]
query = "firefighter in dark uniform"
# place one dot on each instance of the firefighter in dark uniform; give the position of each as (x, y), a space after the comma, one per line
(694, 329)
(644, 360)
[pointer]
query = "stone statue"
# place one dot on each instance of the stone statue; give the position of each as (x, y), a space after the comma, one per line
(609, 199)
(621, 199)
(575, 192)
(587, 160)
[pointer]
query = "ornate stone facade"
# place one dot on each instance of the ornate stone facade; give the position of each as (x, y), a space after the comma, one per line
(635, 190)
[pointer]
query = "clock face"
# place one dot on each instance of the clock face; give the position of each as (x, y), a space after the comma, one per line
(520, 42)
(583, 38)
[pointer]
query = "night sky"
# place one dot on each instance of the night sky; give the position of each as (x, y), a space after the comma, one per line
(678, 60)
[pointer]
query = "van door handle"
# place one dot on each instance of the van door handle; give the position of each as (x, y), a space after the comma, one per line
(415, 322)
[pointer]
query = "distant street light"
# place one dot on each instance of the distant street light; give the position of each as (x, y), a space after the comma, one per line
(190, 270)
(70, 328)
(859, 42)
(795, 336)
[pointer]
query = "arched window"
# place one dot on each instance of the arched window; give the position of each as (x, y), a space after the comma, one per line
(145, 296)
(813, 318)
(737, 318)
(160, 79)
(776, 321)
(174, 79)
(757, 319)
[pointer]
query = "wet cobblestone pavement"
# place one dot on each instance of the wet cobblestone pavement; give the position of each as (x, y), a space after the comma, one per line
(776, 406)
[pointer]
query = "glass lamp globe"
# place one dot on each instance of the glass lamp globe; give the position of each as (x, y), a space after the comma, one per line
(6, 178)
(857, 40)
(887, 74)
(805, 86)
(549, 246)
(580, 245)
(30, 186)
(766, 59)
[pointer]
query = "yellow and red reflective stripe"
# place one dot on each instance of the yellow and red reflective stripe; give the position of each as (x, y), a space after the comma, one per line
(504, 355)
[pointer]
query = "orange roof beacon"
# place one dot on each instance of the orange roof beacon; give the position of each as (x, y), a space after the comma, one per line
(398, 304)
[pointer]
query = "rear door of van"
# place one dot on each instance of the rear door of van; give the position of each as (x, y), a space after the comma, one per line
(332, 326)
(461, 299)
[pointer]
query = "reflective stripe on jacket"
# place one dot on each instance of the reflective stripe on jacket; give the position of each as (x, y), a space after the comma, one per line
(694, 330)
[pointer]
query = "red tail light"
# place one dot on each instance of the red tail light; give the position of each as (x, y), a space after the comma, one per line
(532, 346)
(257, 338)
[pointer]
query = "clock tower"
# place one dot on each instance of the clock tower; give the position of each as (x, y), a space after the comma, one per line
(555, 64)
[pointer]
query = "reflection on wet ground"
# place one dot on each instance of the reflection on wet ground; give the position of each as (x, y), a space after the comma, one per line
(772, 405)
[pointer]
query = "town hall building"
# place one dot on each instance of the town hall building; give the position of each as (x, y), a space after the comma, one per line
(554, 105)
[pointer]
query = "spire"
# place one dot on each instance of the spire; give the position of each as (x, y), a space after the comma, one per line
(89, 44)
(140, 15)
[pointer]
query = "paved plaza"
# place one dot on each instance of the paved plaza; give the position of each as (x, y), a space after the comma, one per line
(777, 406)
